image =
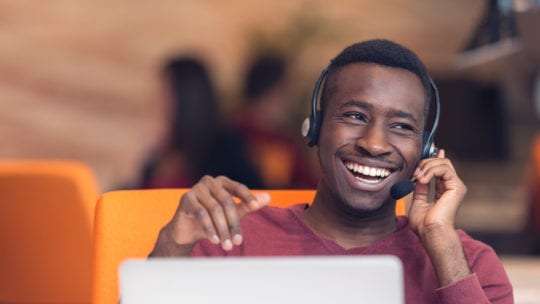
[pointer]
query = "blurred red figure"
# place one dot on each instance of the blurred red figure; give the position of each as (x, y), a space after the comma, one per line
(279, 157)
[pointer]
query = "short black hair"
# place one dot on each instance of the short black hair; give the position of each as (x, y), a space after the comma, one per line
(267, 71)
(381, 52)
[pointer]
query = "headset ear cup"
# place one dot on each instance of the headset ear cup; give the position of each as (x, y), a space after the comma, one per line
(306, 125)
(308, 131)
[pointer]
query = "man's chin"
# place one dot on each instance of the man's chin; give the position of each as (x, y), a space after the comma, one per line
(368, 205)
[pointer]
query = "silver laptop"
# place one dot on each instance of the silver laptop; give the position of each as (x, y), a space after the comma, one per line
(294, 280)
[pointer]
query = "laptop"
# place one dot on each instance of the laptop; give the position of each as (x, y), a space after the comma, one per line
(262, 280)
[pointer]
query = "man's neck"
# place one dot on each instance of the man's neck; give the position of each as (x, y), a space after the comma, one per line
(347, 229)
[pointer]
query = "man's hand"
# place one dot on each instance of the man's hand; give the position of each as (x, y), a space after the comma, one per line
(449, 192)
(434, 221)
(208, 211)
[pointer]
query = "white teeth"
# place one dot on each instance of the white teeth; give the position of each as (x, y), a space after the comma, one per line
(367, 181)
(365, 170)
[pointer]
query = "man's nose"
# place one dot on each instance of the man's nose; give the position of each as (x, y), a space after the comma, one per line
(374, 141)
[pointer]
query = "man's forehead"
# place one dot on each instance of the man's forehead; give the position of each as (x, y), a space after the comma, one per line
(355, 68)
(360, 73)
(366, 74)
(355, 77)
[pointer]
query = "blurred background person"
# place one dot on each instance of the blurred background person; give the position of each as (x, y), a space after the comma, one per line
(263, 119)
(196, 141)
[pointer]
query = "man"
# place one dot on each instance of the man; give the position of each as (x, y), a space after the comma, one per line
(374, 109)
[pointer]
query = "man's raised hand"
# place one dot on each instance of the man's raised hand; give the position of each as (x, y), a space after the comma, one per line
(211, 210)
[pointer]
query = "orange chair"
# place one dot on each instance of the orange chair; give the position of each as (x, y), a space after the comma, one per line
(128, 222)
(46, 217)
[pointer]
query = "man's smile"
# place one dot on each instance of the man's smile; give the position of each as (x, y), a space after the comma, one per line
(368, 174)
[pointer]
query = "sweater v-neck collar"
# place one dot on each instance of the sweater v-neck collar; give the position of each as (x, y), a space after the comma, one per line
(403, 237)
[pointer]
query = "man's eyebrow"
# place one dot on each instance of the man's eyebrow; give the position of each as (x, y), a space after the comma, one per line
(402, 114)
(358, 103)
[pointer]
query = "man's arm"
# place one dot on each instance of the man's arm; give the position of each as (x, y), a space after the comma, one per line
(488, 282)
(434, 222)
(208, 211)
(445, 250)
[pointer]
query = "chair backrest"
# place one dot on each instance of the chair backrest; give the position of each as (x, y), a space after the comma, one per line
(46, 218)
(128, 222)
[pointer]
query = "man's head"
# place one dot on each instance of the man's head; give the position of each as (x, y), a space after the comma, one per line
(374, 107)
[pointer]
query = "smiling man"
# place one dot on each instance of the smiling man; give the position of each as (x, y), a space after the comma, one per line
(374, 109)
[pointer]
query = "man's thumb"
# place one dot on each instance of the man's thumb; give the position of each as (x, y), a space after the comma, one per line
(263, 199)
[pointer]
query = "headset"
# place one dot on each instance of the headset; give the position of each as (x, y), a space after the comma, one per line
(312, 124)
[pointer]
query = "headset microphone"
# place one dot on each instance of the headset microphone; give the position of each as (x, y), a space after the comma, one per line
(401, 188)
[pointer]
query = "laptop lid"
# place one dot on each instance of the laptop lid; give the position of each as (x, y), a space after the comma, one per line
(294, 280)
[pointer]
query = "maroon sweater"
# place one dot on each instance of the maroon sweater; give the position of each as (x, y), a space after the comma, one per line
(281, 232)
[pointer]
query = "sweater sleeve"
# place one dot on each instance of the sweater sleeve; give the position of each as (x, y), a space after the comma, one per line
(487, 284)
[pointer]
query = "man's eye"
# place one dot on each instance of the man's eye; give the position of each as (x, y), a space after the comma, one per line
(404, 127)
(356, 116)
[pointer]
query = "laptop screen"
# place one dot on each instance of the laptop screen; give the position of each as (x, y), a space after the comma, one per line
(367, 279)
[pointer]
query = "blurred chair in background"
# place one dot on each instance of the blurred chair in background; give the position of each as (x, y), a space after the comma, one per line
(263, 118)
(196, 141)
(496, 24)
(533, 188)
(46, 221)
(128, 223)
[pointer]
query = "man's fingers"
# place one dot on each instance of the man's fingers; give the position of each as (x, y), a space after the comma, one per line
(194, 221)
(434, 167)
(248, 201)
(237, 189)
(441, 154)
(231, 212)
(420, 194)
(446, 178)
(216, 209)
(211, 208)
(263, 199)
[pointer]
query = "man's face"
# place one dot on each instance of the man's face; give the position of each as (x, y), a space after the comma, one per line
(371, 133)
